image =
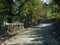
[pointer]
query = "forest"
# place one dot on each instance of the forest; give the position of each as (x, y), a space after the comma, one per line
(23, 12)
(17, 15)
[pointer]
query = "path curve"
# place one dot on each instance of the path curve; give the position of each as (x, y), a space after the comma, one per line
(39, 35)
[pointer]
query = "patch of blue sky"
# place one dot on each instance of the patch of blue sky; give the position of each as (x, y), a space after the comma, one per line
(14, 0)
(45, 1)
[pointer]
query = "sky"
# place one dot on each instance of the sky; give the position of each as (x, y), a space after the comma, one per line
(46, 1)
(14, 0)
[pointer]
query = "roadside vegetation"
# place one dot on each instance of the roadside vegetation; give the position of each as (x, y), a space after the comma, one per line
(20, 14)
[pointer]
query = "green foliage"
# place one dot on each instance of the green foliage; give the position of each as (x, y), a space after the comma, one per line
(54, 9)
(29, 6)
(21, 8)
(56, 12)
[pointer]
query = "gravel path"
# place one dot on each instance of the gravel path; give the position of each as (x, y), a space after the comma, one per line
(39, 35)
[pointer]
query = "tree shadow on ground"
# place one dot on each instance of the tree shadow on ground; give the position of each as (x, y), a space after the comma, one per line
(43, 36)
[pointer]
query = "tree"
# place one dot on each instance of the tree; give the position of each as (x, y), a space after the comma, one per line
(21, 8)
(56, 13)
(28, 8)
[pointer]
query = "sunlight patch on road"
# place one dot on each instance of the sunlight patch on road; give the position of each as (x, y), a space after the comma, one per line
(23, 40)
(44, 25)
(19, 40)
